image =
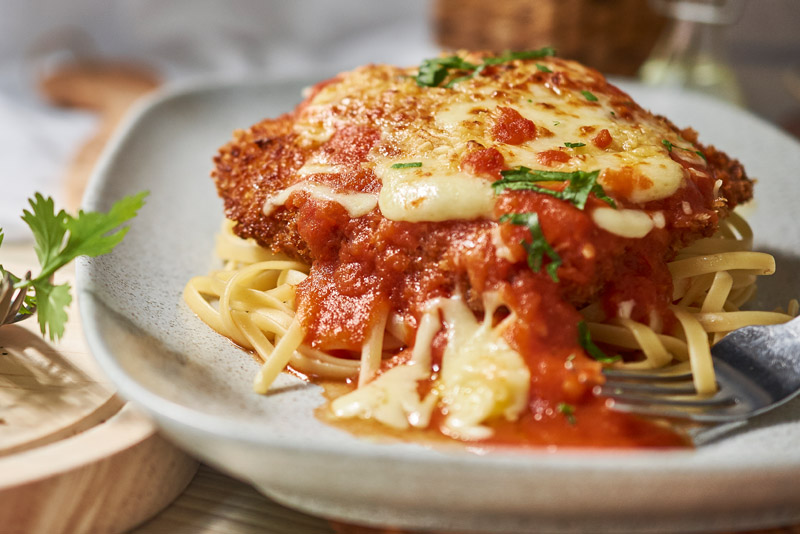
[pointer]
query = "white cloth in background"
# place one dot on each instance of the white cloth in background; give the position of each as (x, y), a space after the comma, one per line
(35, 145)
(181, 39)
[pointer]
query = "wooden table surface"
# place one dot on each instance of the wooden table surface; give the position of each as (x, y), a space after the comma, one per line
(213, 502)
(217, 504)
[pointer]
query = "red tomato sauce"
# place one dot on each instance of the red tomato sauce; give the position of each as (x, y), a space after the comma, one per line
(512, 128)
(487, 162)
(551, 157)
(365, 265)
(602, 139)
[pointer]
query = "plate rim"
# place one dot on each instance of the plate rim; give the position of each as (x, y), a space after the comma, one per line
(167, 412)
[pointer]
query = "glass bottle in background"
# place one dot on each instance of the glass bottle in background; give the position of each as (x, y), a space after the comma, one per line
(690, 53)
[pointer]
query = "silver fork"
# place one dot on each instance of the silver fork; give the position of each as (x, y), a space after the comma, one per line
(10, 303)
(757, 369)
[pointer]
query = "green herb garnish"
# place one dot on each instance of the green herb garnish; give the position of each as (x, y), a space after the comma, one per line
(580, 184)
(568, 410)
(589, 96)
(59, 239)
(538, 247)
(543, 68)
(407, 165)
(574, 145)
(670, 146)
(585, 340)
(433, 72)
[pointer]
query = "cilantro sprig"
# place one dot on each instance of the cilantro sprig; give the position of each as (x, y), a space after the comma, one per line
(585, 340)
(60, 238)
(670, 146)
(579, 184)
(538, 247)
(433, 72)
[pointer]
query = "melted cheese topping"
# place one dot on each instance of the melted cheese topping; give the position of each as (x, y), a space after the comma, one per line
(624, 223)
(481, 377)
(393, 398)
(356, 204)
(437, 127)
(420, 194)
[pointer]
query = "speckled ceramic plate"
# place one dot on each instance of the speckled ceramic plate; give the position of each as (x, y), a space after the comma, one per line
(197, 385)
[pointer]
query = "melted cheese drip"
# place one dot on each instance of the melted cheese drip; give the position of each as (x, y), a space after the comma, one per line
(433, 193)
(356, 204)
(624, 223)
(393, 398)
(438, 126)
(481, 378)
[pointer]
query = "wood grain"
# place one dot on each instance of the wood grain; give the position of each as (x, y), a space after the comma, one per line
(74, 458)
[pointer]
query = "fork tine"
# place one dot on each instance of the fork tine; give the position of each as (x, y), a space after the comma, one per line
(655, 374)
(725, 414)
(615, 387)
(757, 368)
(722, 398)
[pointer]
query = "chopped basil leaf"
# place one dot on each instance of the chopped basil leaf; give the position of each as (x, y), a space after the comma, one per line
(613, 114)
(407, 165)
(568, 410)
(543, 68)
(585, 340)
(701, 155)
(556, 123)
(433, 72)
(589, 96)
(580, 184)
(574, 145)
(667, 144)
(538, 248)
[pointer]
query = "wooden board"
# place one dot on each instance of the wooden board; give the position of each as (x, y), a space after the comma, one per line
(74, 458)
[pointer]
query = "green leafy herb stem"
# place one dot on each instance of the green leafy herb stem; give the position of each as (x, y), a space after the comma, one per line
(585, 341)
(411, 165)
(433, 72)
(538, 247)
(579, 184)
(59, 239)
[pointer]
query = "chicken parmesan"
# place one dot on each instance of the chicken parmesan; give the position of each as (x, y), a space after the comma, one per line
(468, 243)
